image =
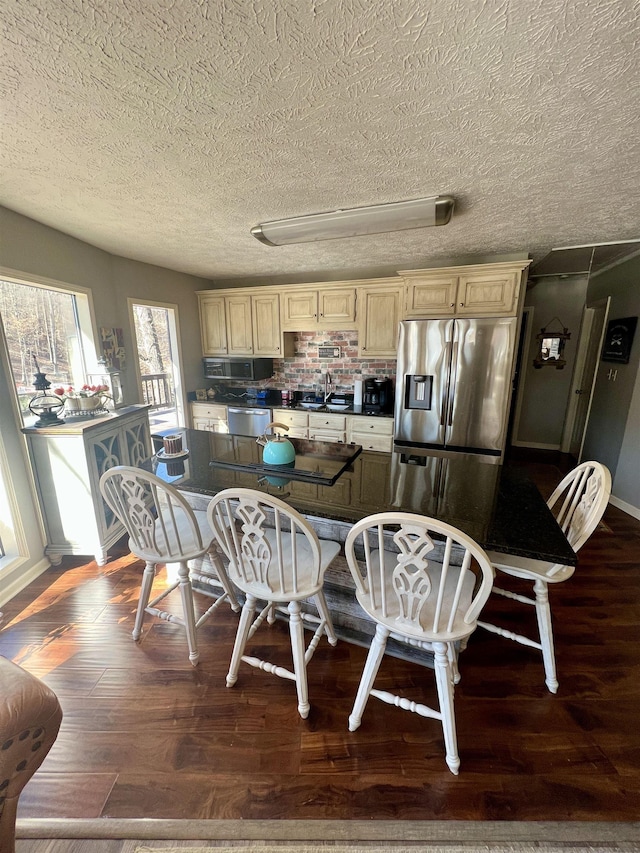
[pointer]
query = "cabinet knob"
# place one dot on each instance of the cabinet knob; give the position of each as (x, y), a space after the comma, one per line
(461, 304)
(453, 305)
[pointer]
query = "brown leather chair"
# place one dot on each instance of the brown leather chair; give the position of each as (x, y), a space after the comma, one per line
(30, 717)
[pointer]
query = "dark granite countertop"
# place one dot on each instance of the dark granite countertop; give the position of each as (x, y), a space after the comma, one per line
(272, 401)
(496, 505)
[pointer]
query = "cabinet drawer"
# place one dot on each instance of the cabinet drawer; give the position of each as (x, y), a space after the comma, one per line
(291, 418)
(371, 441)
(332, 435)
(209, 411)
(371, 425)
(323, 421)
(298, 432)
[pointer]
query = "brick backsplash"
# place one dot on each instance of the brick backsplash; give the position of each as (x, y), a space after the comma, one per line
(305, 369)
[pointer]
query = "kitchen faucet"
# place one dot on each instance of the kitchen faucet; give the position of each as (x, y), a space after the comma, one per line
(327, 386)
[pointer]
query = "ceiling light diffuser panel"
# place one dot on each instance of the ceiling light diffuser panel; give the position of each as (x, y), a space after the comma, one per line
(357, 221)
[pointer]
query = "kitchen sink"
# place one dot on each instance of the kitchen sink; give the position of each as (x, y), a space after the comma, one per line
(306, 405)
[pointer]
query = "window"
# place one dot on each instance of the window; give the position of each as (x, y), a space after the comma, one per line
(155, 327)
(46, 329)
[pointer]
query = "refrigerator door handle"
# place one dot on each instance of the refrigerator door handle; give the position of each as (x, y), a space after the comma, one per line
(452, 392)
(445, 385)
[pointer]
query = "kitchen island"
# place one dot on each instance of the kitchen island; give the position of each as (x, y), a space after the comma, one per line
(498, 506)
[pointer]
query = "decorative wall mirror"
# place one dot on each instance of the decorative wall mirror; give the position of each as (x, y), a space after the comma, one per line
(551, 346)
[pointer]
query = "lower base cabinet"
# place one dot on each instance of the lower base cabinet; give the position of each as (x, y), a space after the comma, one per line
(372, 433)
(210, 417)
(68, 462)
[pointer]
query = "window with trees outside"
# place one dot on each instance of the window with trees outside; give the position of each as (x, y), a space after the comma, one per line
(45, 326)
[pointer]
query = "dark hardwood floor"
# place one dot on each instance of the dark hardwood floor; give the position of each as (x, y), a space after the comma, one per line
(147, 735)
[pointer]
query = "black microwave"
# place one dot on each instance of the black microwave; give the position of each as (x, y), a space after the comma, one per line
(238, 368)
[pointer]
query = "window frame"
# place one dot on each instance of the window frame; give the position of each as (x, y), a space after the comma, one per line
(88, 328)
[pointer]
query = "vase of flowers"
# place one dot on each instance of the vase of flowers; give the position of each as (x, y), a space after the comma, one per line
(88, 399)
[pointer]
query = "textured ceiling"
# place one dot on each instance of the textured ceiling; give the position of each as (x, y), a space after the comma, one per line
(163, 130)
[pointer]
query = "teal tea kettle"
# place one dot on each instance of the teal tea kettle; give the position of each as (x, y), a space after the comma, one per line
(277, 450)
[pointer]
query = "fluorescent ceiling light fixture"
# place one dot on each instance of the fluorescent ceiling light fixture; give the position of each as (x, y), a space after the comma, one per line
(357, 221)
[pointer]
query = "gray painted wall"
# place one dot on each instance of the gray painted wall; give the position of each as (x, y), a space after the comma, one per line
(613, 433)
(29, 247)
(546, 390)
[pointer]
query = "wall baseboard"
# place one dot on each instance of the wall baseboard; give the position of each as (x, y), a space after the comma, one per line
(630, 509)
(17, 579)
(535, 446)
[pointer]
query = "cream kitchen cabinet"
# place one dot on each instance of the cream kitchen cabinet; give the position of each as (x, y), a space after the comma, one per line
(298, 422)
(265, 315)
(379, 309)
(473, 290)
(237, 308)
(68, 462)
(213, 324)
(209, 416)
(372, 433)
(318, 308)
(238, 323)
(327, 427)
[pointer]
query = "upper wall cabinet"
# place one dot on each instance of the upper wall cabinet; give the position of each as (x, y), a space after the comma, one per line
(318, 307)
(240, 323)
(265, 314)
(473, 291)
(213, 324)
(379, 309)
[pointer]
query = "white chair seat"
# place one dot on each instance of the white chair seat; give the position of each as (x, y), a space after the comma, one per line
(427, 590)
(525, 567)
(164, 529)
(305, 568)
(274, 556)
(578, 504)
(427, 616)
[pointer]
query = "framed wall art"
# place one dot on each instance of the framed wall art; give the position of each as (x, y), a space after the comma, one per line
(618, 340)
(113, 348)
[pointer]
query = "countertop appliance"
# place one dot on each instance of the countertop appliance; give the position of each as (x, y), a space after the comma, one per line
(246, 421)
(237, 368)
(453, 385)
(377, 395)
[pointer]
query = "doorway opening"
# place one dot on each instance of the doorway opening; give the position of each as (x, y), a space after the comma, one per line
(592, 328)
(155, 332)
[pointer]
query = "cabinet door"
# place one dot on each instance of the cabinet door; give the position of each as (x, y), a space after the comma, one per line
(493, 294)
(378, 321)
(213, 325)
(104, 452)
(300, 310)
(373, 490)
(239, 326)
(201, 423)
(265, 311)
(337, 308)
(136, 441)
(433, 298)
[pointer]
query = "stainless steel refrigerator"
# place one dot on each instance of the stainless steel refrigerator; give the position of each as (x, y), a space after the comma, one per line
(453, 384)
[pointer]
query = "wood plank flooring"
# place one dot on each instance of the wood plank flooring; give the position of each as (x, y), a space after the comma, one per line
(145, 734)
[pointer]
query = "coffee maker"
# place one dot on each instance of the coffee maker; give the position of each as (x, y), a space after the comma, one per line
(377, 396)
